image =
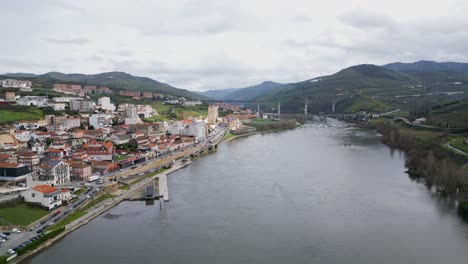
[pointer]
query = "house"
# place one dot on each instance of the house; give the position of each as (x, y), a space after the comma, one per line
(80, 171)
(66, 195)
(120, 139)
(99, 150)
(38, 148)
(47, 196)
(99, 166)
(13, 171)
(54, 153)
(8, 158)
(29, 158)
(53, 171)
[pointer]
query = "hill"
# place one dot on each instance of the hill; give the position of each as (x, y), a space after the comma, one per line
(252, 92)
(428, 66)
(454, 114)
(436, 76)
(114, 80)
(218, 94)
(343, 87)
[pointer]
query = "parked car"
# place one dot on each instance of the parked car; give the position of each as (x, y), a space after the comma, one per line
(7, 233)
(15, 231)
(11, 251)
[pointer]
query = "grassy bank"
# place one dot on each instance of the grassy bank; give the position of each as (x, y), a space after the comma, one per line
(12, 113)
(98, 200)
(429, 160)
(268, 124)
(21, 214)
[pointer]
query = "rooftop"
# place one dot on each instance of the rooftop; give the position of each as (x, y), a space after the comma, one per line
(44, 188)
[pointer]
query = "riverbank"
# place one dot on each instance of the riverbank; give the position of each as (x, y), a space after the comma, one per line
(428, 159)
(101, 208)
(296, 125)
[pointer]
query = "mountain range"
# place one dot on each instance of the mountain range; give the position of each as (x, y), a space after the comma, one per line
(408, 86)
(364, 84)
(114, 80)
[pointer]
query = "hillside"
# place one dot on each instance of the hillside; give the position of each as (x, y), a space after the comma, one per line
(252, 92)
(428, 66)
(454, 114)
(218, 94)
(343, 86)
(114, 80)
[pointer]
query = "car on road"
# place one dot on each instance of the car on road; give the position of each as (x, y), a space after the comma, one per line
(10, 251)
(15, 231)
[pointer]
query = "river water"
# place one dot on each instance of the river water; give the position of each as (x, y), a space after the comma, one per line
(324, 193)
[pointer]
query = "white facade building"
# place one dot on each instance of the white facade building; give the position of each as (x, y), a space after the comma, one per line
(106, 104)
(47, 196)
(70, 123)
(99, 120)
(39, 101)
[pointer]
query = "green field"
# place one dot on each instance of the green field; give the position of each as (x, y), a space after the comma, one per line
(455, 114)
(178, 112)
(419, 135)
(365, 103)
(12, 113)
(459, 143)
(21, 214)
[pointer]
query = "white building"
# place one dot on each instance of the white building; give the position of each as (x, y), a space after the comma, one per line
(24, 135)
(99, 120)
(59, 106)
(131, 116)
(70, 123)
(15, 83)
(47, 196)
(82, 105)
(106, 104)
(39, 101)
(197, 130)
(175, 128)
(191, 103)
(146, 110)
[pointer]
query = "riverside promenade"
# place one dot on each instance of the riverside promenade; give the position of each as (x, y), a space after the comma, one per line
(105, 206)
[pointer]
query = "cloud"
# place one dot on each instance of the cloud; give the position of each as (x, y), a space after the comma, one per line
(366, 20)
(220, 44)
(68, 41)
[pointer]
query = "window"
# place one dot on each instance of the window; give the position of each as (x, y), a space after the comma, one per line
(33, 195)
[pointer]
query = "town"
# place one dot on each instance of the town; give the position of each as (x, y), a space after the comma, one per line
(53, 168)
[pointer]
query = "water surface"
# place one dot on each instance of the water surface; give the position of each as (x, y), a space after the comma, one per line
(318, 194)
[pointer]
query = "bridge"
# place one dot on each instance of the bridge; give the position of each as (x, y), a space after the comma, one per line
(306, 103)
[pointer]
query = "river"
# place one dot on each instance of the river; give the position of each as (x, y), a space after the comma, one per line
(323, 193)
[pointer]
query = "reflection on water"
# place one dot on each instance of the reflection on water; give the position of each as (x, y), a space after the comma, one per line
(323, 193)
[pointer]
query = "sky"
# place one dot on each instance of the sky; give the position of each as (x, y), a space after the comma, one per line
(217, 44)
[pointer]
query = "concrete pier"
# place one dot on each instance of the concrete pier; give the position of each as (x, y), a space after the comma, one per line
(163, 190)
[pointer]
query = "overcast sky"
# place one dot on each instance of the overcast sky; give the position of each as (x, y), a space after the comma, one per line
(217, 44)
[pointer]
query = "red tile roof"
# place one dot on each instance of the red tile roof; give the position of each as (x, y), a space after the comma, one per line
(10, 165)
(44, 188)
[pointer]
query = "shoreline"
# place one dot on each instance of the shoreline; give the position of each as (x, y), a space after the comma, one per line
(256, 133)
(100, 209)
(107, 206)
